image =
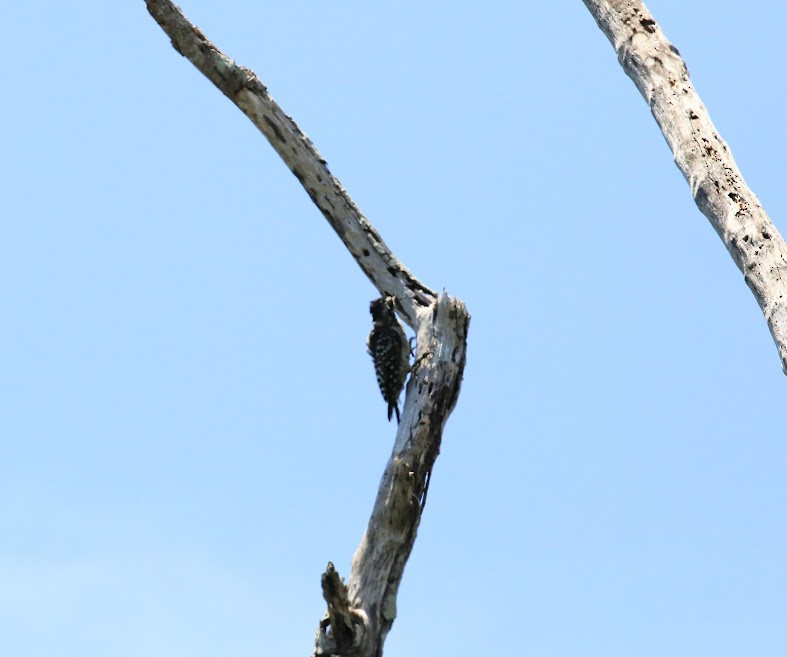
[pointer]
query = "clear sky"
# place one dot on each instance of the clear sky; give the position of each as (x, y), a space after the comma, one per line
(190, 425)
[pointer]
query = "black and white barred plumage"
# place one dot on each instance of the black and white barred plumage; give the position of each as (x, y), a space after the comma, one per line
(390, 350)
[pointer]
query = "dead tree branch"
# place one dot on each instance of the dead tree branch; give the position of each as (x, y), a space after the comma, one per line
(720, 192)
(361, 613)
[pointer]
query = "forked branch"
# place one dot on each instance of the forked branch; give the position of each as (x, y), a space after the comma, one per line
(361, 613)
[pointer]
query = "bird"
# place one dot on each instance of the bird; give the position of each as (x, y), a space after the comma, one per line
(390, 351)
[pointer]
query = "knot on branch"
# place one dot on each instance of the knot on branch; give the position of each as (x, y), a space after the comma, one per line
(342, 628)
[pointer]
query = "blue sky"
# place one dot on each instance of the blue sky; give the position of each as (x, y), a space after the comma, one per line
(190, 424)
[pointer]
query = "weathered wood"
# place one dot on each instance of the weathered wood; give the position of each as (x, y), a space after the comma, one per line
(720, 192)
(247, 92)
(378, 564)
(361, 613)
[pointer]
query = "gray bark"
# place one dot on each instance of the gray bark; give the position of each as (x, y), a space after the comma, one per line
(720, 192)
(361, 613)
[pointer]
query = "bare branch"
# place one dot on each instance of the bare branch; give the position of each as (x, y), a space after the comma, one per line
(704, 159)
(378, 564)
(432, 391)
(360, 614)
(246, 90)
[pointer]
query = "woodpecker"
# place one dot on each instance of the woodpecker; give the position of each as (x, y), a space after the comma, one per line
(390, 350)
